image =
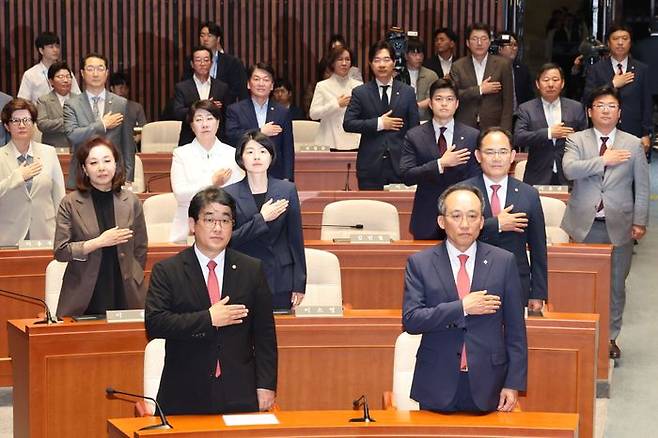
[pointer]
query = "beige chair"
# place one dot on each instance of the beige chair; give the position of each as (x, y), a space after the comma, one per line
(377, 217)
(159, 211)
(54, 275)
(138, 183)
(36, 134)
(160, 136)
(323, 284)
(304, 132)
(553, 213)
(519, 169)
(404, 362)
(154, 355)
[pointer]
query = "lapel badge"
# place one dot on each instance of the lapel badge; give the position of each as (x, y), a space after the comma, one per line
(516, 189)
(271, 108)
(461, 138)
(485, 261)
(234, 267)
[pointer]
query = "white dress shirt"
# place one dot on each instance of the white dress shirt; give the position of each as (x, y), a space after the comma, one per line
(101, 102)
(203, 88)
(219, 269)
(413, 78)
(62, 99)
(502, 191)
(446, 65)
(623, 62)
(389, 93)
(448, 134)
(479, 69)
(261, 112)
(553, 114)
(35, 83)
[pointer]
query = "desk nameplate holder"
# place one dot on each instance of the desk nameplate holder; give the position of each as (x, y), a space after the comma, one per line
(398, 187)
(35, 244)
(132, 315)
(310, 311)
(313, 148)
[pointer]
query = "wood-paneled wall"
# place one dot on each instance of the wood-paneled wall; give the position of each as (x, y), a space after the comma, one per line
(150, 39)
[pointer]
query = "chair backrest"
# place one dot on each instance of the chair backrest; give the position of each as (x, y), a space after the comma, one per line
(304, 132)
(323, 284)
(160, 136)
(519, 169)
(138, 184)
(37, 135)
(54, 275)
(377, 217)
(553, 211)
(556, 235)
(160, 208)
(154, 356)
(159, 232)
(404, 362)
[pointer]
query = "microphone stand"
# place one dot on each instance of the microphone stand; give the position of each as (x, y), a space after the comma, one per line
(48, 317)
(347, 178)
(362, 401)
(164, 424)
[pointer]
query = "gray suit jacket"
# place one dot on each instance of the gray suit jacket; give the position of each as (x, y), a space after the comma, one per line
(51, 121)
(426, 78)
(624, 188)
(4, 137)
(80, 125)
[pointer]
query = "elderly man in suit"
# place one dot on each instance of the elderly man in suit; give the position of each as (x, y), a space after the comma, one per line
(436, 155)
(463, 296)
(271, 118)
(201, 86)
(514, 219)
(543, 125)
(214, 308)
(420, 78)
(4, 100)
(382, 111)
(609, 202)
(51, 106)
(98, 112)
(486, 88)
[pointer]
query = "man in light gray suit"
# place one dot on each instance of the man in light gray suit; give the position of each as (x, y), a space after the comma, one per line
(610, 198)
(51, 106)
(98, 112)
(4, 100)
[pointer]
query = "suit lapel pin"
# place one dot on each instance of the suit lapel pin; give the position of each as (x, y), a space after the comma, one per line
(485, 262)
(234, 267)
(516, 189)
(271, 108)
(461, 138)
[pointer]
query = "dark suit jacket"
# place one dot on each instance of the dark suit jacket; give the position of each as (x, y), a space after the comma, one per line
(645, 51)
(186, 94)
(525, 198)
(419, 166)
(496, 345)
(241, 117)
(524, 86)
(434, 63)
(491, 109)
(361, 116)
(230, 71)
(279, 244)
(531, 131)
(177, 306)
(636, 103)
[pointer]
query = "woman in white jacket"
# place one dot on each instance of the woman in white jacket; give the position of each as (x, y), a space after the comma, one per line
(330, 100)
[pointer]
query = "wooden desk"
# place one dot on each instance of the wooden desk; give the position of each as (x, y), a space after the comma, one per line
(388, 424)
(73, 363)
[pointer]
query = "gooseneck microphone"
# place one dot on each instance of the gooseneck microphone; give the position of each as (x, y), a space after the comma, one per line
(164, 424)
(356, 404)
(48, 319)
(319, 226)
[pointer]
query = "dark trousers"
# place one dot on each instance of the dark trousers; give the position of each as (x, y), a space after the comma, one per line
(386, 176)
(463, 401)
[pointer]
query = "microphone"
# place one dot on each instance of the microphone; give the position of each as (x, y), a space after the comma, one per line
(347, 177)
(48, 319)
(319, 226)
(356, 404)
(164, 424)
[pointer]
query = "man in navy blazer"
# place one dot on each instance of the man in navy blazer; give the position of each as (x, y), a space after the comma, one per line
(631, 78)
(463, 296)
(261, 112)
(382, 111)
(436, 155)
(542, 127)
(514, 219)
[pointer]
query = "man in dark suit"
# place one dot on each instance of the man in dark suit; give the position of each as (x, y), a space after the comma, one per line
(200, 86)
(463, 296)
(514, 219)
(444, 40)
(436, 155)
(261, 112)
(631, 78)
(382, 111)
(214, 308)
(523, 90)
(543, 125)
(486, 88)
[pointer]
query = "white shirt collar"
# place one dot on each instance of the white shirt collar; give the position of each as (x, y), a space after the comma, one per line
(546, 103)
(17, 154)
(611, 137)
(102, 94)
(502, 183)
(199, 82)
(258, 105)
(203, 259)
(481, 64)
(450, 126)
(453, 252)
(379, 84)
(623, 62)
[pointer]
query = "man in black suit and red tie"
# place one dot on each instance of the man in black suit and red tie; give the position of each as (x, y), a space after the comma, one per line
(213, 307)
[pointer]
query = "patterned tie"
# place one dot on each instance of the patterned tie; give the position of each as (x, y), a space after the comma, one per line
(94, 106)
(620, 69)
(213, 292)
(604, 147)
(463, 289)
(215, 65)
(29, 160)
(385, 96)
(442, 143)
(495, 201)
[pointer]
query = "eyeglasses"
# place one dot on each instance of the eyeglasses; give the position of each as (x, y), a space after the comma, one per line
(209, 223)
(606, 106)
(448, 99)
(479, 39)
(25, 121)
(93, 68)
(63, 76)
(385, 59)
(459, 217)
(500, 152)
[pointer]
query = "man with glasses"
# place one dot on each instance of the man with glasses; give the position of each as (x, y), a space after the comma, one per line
(509, 49)
(609, 202)
(463, 296)
(486, 89)
(50, 107)
(98, 112)
(514, 219)
(213, 307)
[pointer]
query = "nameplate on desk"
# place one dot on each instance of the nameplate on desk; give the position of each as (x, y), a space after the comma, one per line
(370, 238)
(399, 188)
(62, 150)
(552, 189)
(313, 148)
(35, 244)
(133, 315)
(250, 419)
(309, 311)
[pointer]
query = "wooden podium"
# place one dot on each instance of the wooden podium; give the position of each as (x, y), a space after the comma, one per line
(336, 424)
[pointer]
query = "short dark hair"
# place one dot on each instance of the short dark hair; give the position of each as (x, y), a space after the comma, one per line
(447, 31)
(617, 27)
(18, 104)
(45, 39)
(283, 82)
(207, 196)
(57, 66)
(336, 53)
(93, 55)
(337, 37)
(260, 66)
(456, 188)
(603, 90)
(549, 66)
(442, 83)
(415, 45)
(203, 105)
(477, 26)
(199, 48)
(82, 182)
(119, 78)
(258, 137)
(491, 130)
(213, 29)
(380, 45)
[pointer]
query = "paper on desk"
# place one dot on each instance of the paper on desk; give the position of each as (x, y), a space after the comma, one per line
(249, 419)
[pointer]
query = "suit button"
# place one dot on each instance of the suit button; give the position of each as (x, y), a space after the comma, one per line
(122, 255)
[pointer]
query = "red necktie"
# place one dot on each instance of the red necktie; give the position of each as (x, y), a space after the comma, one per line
(442, 143)
(495, 201)
(213, 292)
(604, 148)
(463, 289)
